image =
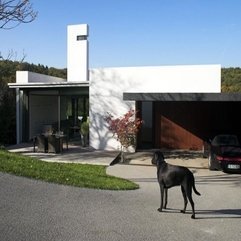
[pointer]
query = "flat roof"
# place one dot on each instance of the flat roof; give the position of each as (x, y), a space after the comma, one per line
(48, 85)
(220, 97)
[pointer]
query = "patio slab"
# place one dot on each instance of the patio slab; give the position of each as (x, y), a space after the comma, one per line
(88, 155)
(74, 154)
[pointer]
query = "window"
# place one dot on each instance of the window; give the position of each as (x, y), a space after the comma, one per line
(81, 37)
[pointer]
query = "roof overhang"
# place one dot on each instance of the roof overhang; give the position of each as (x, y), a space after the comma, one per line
(48, 85)
(220, 97)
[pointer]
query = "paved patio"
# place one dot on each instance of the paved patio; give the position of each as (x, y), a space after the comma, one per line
(74, 154)
(88, 155)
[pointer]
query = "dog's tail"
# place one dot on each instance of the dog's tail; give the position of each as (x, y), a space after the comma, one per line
(194, 189)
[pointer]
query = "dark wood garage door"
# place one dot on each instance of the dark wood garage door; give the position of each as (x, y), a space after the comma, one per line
(186, 125)
(173, 136)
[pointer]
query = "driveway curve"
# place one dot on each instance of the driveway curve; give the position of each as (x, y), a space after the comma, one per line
(35, 210)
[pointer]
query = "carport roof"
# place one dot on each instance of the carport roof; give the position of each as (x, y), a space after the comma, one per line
(48, 85)
(220, 97)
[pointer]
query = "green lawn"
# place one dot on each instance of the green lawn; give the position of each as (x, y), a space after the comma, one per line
(79, 175)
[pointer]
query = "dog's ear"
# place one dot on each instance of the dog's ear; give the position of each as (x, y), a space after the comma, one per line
(159, 157)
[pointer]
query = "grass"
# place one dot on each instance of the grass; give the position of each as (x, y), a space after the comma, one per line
(79, 175)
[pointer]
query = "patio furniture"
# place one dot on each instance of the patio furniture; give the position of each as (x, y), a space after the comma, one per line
(64, 138)
(55, 144)
(47, 129)
(42, 143)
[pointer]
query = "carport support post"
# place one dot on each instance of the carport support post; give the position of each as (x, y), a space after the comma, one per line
(58, 113)
(18, 116)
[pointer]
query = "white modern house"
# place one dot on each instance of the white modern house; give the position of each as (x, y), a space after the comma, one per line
(180, 105)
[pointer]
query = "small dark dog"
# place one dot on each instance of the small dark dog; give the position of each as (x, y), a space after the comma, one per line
(169, 176)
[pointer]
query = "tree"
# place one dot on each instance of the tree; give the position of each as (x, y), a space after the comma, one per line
(15, 12)
(124, 129)
(231, 79)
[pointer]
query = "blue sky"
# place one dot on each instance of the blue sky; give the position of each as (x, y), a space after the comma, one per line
(132, 32)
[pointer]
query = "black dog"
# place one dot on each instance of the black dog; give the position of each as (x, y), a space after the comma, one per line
(169, 176)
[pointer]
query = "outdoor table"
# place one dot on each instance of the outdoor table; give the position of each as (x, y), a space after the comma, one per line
(62, 138)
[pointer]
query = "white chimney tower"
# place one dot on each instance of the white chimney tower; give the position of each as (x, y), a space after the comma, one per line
(78, 59)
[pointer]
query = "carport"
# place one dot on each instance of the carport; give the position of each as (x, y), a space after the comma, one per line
(185, 120)
(56, 105)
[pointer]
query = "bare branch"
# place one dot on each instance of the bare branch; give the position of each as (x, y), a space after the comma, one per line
(15, 12)
(13, 56)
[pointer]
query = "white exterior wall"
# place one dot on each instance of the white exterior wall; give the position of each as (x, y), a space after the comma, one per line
(173, 79)
(106, 95)
(77, 53)
(107, 86)
(24, 77)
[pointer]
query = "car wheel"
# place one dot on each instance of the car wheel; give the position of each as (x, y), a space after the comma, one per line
(210, 162)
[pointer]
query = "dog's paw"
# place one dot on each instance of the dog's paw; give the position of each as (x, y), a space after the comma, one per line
(193, 216)
(182, 211)
(159, 210)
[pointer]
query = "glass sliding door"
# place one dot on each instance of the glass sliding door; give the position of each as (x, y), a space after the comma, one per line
(74, 110)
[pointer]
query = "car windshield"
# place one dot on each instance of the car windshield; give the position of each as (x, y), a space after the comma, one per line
(225, 140)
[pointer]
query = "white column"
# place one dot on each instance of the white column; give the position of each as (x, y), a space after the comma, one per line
(78, 69)
(18, 131)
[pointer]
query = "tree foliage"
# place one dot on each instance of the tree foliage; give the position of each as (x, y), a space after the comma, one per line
(15, 12)
(231, 79)
(7, 96)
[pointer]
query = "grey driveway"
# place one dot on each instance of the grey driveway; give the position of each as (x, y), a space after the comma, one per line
(33, 210)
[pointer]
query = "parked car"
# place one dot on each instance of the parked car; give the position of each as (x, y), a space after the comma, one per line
(225, 153)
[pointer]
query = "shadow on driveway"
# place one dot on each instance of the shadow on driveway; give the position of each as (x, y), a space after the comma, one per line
(219, 214)
(223, 178)
(210, 214)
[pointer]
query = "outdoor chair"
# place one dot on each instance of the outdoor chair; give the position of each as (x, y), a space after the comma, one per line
(42, 143)
(55, 144)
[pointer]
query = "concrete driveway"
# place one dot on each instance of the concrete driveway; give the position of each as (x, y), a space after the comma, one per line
(35, 210)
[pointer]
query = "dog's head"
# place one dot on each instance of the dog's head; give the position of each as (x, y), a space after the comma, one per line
(158, 157)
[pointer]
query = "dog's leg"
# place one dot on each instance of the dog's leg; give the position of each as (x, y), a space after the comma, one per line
(162, 195)
(185, 199)
(189, 195)
(166, 196)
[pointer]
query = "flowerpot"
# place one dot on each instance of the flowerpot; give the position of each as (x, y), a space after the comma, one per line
(130, 149)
